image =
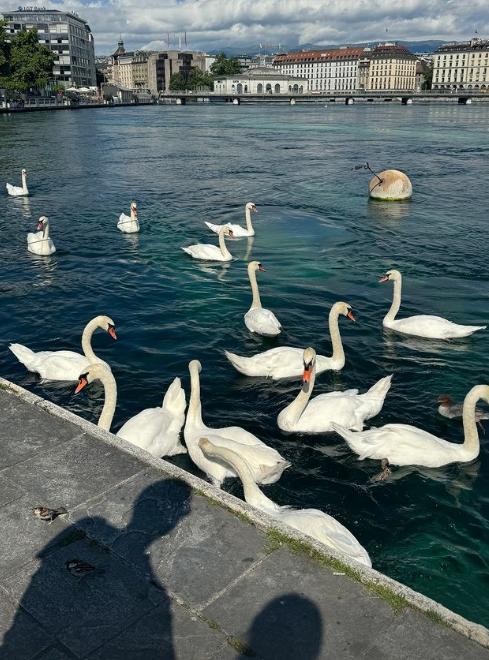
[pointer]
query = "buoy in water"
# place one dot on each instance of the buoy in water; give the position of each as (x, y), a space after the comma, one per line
(390, 186)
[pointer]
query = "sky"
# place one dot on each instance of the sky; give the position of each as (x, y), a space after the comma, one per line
(212, 24)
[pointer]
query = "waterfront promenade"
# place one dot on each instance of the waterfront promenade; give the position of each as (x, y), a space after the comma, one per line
(180, 569)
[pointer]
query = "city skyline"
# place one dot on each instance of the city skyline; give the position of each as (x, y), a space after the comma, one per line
(211, 24)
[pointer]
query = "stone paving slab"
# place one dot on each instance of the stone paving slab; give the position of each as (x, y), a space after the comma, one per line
(178, 575)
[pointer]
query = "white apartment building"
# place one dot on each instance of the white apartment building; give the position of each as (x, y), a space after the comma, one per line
(463, 65)
(67, 35)
(334, 70)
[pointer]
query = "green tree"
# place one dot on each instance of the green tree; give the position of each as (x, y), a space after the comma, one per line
(4, 53)
(192, 81)
(31, 63)
(428, 77)
(225, 66)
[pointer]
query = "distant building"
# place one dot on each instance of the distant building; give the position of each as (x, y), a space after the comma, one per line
(387, 67)
(423, 67)
(332, 70)
(260, 80)
(152, 71)
(67, 35)
(463, 65)
(384, 67)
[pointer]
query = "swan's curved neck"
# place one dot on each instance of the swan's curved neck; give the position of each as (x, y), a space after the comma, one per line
(471, 443)
(45, 231)
(297, 407)
(253, 494)
(87, 341)
(334, 332)
(194, 413)
(254, 288)
(222, 244)
(249, 226)
(396, 300)
(24, 182)
(110, 392)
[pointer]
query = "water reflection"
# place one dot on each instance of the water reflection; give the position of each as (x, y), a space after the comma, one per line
(388, 213)
(217, 270)
(22, 206)
(249, 247)
(46, 269)
(395, 341)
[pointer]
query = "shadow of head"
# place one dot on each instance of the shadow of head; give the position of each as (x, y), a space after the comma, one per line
(288, 627)
(159, 508)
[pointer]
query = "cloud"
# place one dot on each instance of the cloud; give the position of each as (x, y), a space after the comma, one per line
(219, 23)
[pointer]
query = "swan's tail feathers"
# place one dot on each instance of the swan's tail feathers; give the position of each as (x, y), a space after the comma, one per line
(380, 389)
(346, 434)
(174, 401)
(212, 227)
(475, 328)
(23, 354)
(239, 363)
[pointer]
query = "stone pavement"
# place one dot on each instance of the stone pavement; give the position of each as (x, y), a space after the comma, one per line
(177, 574)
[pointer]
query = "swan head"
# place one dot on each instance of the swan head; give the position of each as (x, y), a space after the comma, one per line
(345, 309)
(309, 358)
(390, 276)
(107, 324)
(24, 172)
(134, 207)
(226, 231)
(95, 371)
(194, 365)
(42, 222)
(256, 265)
(251, 206)
(445, 400)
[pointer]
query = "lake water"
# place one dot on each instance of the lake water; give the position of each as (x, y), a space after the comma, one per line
(320, 240)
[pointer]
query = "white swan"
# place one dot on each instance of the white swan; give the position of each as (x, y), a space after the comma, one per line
(65, 365)
(402, 444)
(265, 463)
(129, 224)
(313, 522)
(156, 430)
(18, 191)
(212, 252)
(257, 319)
(317, 416)
(39, 242)
(238, 231)
(422, 325)
(287, 362)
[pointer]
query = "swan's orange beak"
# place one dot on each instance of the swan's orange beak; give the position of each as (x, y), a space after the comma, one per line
(82, 382)
(384, 278)
(39, 226)
(306, 376)
(111, 331)
(350, 315)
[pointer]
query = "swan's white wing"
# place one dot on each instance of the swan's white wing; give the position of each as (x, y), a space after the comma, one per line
(204, 252)
(262, 321)
(432, 327)
(154, 430)
(327, 530)
(341, 408)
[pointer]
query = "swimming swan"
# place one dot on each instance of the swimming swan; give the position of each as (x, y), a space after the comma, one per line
(265, 463)
(402, 444)
(65, 365)
(17, 191)
(347, 408)
(422, 325)
(313, 522)
(156, 430)
(129, 224)
(212, 252)
(39, 242)
(238, 231)
(287, 362)
(257, 319)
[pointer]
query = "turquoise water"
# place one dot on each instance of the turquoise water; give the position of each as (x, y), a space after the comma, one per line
(320, 240)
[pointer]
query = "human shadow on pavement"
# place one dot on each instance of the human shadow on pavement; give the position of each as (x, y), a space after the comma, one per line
(116, 606)
(289, 627)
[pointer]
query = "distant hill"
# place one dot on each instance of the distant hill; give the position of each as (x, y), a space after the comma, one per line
(414, 46)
